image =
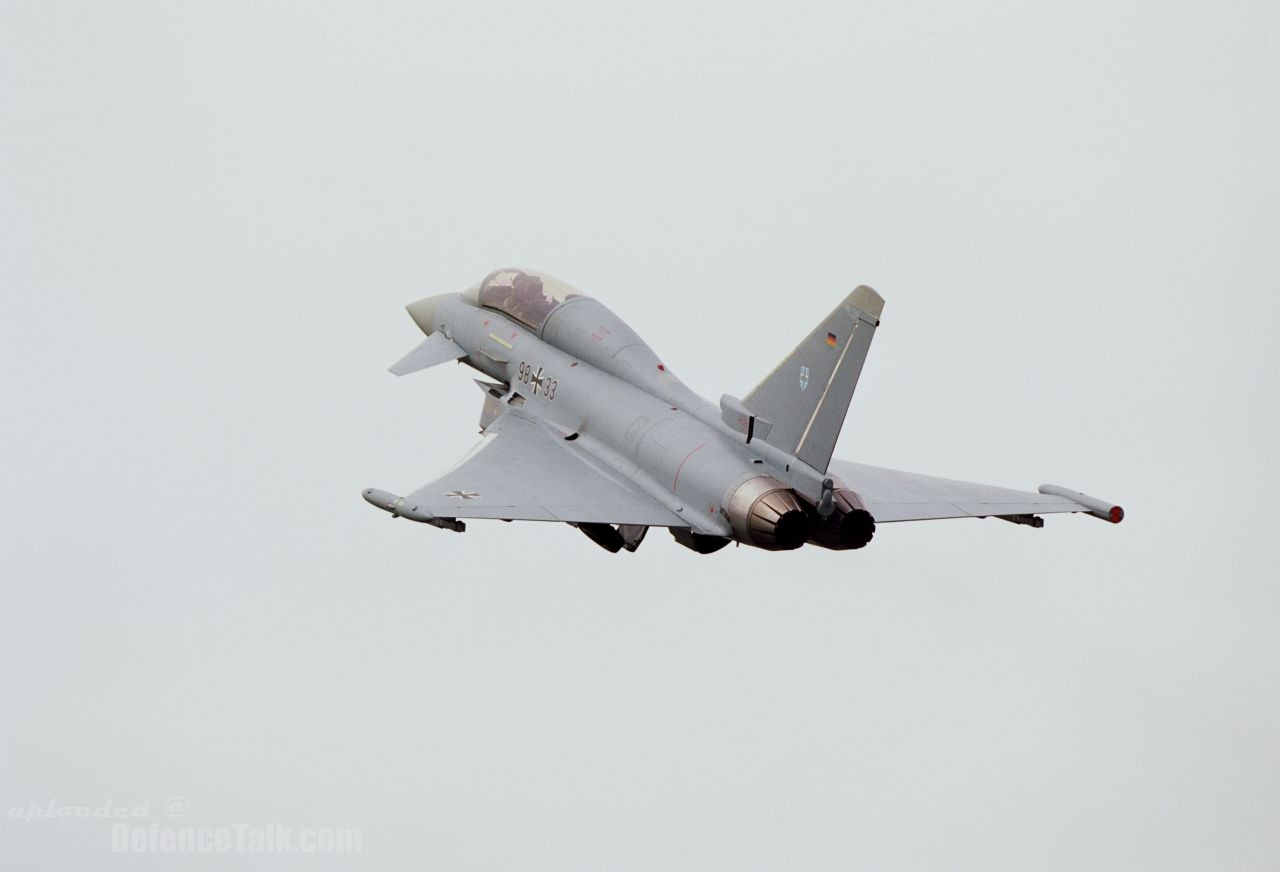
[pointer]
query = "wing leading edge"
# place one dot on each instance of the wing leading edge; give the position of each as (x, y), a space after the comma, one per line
(892, 495)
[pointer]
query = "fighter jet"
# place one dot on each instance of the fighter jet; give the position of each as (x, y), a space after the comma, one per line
(584, 424)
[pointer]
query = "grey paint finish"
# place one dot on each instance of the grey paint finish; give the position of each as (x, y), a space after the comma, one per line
(583, 423)
(892, 495)
(807, 396)
(494, 481)
(433, 350)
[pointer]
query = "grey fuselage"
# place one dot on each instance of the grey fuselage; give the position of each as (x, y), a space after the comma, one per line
(586, 372)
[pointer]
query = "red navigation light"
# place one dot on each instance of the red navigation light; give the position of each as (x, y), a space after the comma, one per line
(1117, 514)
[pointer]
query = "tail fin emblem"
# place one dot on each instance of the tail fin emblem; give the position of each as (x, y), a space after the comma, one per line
(804, 377)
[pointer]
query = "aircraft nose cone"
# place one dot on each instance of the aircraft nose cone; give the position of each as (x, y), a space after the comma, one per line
(423, 312)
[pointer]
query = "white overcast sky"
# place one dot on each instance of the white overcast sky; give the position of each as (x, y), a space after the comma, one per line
(211, 215)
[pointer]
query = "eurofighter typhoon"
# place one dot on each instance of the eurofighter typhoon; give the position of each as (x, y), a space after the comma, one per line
(584, 424)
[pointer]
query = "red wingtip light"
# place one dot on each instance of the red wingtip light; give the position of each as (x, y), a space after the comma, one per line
(661, 368)
(1117, 514)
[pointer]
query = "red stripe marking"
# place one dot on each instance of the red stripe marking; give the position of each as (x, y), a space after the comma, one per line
(675, 484)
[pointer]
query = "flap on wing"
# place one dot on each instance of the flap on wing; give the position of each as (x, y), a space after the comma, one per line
(891, 495)
(436, 348)
(520, 470)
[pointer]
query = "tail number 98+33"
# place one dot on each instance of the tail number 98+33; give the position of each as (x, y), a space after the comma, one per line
(529, 376)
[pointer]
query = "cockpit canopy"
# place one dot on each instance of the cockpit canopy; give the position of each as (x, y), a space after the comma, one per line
(527, 296)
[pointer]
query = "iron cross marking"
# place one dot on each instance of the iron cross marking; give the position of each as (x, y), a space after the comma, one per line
(463, 495)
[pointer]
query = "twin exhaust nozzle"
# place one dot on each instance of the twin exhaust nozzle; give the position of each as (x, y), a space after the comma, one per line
(766, 513)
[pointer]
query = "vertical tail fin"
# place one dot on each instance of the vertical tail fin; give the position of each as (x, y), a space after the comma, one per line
(807, 395)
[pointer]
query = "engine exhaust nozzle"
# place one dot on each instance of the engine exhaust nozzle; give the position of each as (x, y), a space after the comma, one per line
(848, 526)
(767, 514)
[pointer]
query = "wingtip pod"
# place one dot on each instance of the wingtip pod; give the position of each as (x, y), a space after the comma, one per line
(1098, 508)
(399, 507)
